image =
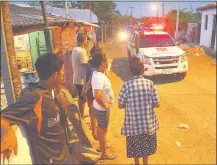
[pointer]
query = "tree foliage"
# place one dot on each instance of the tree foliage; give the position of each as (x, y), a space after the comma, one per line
(185, 17)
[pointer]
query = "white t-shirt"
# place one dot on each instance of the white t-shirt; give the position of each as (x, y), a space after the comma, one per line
(79, 56)
(101, 81)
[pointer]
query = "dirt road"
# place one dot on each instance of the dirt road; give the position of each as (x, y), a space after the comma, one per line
(191, 101)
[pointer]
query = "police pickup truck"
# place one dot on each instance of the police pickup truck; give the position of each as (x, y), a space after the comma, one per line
(158, 52)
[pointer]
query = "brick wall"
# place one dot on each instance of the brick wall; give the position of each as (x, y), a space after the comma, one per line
(68, 37)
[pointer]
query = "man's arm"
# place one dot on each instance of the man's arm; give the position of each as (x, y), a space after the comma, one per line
(121, 106)
(8, 140)
(84, 65)
(83, 58)
(19, 112)
(98, 95)
(122, 99)
(155, 97)
(88, 85)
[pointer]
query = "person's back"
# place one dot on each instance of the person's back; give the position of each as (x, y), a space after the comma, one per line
(78, 57)
(38, 112)
(140, 95)
(41, 124)
(79, 64)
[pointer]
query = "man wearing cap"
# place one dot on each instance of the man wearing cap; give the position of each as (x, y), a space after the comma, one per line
(79, 65)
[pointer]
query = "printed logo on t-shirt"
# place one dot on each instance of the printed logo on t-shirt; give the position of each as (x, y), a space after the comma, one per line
(53, 121)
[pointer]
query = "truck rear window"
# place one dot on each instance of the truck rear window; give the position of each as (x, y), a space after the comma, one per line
(154, 40)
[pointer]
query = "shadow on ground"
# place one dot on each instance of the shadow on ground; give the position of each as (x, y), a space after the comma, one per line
(121, 69)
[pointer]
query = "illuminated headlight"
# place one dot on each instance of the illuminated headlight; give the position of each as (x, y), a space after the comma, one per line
(123, 36)
(184, 58)
(146, 60)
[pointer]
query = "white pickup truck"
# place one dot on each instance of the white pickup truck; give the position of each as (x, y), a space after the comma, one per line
(158, 52)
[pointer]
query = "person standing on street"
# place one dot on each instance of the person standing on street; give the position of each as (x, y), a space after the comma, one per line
(89, 91)
(103, 99)
(139, 97)
(79, 64)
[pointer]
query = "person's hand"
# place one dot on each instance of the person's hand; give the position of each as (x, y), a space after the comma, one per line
(107, 105)
(84, 94)
(8, 144)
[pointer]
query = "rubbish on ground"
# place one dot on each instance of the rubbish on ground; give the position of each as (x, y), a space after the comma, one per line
(196, 51)
(178, 144)
(183, 126)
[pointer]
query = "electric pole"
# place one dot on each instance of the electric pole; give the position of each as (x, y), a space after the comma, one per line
(131, 14)
(163, 10)
(177, 22)
(67, 9)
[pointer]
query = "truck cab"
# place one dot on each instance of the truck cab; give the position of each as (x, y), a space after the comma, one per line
(158, 52)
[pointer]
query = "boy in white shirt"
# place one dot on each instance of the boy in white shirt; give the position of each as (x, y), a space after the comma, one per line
(104, 98)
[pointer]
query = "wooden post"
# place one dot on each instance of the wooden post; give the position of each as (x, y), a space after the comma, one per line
(47, 32)
(10, 71)
(105, 32)
(102, 33)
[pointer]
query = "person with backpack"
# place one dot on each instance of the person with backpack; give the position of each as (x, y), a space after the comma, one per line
(39, 113)
(139, 97)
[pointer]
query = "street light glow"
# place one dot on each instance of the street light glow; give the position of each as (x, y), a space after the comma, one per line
(154, 7)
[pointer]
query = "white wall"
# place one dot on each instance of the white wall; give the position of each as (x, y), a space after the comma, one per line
(206, 35)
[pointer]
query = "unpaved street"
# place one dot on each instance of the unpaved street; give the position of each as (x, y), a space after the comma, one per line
(191, 101)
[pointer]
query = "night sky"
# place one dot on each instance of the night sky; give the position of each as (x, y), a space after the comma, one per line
(146, 8)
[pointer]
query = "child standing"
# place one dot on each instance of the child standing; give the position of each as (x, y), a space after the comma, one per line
(139, 97)
(104, 97)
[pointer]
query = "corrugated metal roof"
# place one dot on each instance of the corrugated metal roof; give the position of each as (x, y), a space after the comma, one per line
(26, 16)
(209, 6)
(77, 14)
(29, 16)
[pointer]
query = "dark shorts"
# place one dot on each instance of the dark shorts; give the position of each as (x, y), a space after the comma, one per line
(79, 90)
(141, 145)
(102, 117)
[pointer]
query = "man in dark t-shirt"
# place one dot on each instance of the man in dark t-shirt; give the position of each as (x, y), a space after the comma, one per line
(38, 112)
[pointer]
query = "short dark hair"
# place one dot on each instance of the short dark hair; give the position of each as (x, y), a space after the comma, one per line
(98, 59)
(81, 37)
(95, 49)
(47, 64)
(136, 66)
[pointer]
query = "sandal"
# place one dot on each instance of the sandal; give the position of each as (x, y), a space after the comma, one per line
(108, 157)
(107, 146)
